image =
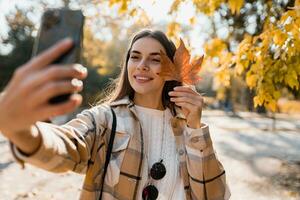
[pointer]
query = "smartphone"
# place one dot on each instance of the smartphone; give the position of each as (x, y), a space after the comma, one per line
(56, 25)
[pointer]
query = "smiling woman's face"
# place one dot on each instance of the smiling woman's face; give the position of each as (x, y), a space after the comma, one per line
(144, 64)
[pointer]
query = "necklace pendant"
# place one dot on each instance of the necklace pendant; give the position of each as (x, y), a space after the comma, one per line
(158, 170)
(150, 193)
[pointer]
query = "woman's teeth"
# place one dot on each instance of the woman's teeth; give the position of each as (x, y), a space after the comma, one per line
(143, 78)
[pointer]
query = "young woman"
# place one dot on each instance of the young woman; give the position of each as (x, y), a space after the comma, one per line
(161, 149)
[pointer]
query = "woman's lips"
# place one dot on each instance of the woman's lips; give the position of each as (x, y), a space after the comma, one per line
(142, 79)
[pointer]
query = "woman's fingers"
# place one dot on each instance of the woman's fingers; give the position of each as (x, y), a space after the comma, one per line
(184, 99)
(49, 55)
(56, 72)
(48, 110)
(55, 88)
(186, 88)
(188, 96)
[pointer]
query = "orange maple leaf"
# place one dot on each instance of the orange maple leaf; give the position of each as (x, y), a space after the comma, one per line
(181, 70)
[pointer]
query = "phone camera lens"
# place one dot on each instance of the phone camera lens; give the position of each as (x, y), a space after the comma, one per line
(51, 18)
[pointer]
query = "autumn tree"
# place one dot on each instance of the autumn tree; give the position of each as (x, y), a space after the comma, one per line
(262, 45)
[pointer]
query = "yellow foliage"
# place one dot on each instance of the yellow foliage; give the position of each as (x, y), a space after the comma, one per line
(235, 5)
(244, 55)
(215, 47)
(92, 49)
(272, 105)
(207, 6)
(223, 76)
(113, 2)
(175, 6)
(258, 101)
(173, 29)
(251, 80)
(217, 56)
(291, 79)
(221, 94)
(123, 5)
(271, 59)
(279, 37)
(133, 12)
(192, 20)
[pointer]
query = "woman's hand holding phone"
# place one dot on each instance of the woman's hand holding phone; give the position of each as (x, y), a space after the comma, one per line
(25, 100)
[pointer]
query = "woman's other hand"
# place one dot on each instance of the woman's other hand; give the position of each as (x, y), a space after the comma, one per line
(191, 103)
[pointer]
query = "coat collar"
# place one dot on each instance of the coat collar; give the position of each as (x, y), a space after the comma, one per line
(130, 104)
(124, 101)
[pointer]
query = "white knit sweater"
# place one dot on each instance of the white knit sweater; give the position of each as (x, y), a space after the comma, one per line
(159, 147)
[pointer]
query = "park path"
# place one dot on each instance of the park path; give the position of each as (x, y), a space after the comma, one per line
(260, 164)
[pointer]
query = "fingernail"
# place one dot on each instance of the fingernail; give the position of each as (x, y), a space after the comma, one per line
(80, 68)
(77, 83)
(67, 40)
(77, 98)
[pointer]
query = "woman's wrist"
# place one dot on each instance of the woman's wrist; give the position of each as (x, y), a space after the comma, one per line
(27, 141)
(194, 125)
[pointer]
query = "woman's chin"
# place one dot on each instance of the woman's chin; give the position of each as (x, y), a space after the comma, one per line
(147, 89)
(141, 91)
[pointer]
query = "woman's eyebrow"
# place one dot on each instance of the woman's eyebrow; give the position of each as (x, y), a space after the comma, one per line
(152, 54)
(155, 53)
(134, 51)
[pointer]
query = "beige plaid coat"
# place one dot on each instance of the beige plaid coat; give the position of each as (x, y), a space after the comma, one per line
(80, 146)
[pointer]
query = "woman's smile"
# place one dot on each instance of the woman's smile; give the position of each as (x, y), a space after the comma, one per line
(142, 78)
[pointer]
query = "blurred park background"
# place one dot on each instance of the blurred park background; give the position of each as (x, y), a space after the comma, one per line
(250, 80)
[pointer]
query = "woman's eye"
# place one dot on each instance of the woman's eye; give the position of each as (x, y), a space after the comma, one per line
(156, 60)
(134, 57)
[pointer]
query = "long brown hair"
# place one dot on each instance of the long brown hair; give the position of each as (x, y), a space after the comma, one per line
(121, 87)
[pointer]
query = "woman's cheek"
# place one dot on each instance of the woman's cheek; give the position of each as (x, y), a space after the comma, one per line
(130, 69)
(156, 69)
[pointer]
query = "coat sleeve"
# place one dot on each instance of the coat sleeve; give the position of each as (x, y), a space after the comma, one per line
(207, 176)
(69, 146)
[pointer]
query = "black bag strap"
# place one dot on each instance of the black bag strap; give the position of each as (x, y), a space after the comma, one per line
(109, 148)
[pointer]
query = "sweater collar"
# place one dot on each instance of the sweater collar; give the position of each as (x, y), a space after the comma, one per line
(130, 104)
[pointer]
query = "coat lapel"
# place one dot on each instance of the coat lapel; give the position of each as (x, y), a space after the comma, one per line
(131, 167)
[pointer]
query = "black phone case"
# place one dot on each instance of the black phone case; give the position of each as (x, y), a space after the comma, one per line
(56, 25)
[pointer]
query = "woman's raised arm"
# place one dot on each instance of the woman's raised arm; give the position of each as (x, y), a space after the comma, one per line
(25, 99)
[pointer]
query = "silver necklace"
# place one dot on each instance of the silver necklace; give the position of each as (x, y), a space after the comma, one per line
(157, 171)
(150, 145)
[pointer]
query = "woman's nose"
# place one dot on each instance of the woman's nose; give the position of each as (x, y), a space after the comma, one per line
(143, 65)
